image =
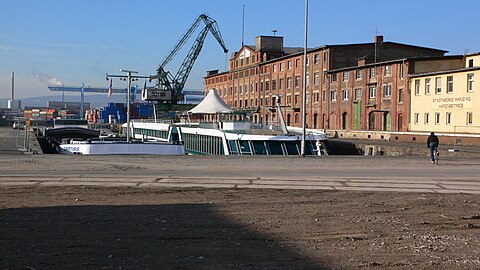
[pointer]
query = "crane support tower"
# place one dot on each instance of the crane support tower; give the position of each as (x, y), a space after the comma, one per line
(169, 87)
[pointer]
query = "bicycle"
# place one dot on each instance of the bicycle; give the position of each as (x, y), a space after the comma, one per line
(435, 156)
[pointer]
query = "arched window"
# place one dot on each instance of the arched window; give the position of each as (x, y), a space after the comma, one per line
(399, 122)
(371, 121)
(344, 121)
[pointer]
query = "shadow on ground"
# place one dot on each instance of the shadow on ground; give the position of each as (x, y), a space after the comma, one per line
(176, 236)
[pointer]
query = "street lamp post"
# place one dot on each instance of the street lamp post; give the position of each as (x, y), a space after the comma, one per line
(128, 77)
(304, 103)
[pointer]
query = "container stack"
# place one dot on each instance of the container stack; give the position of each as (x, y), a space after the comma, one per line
(117, 111)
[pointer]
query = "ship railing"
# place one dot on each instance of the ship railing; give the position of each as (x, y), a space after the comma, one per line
(164, 121)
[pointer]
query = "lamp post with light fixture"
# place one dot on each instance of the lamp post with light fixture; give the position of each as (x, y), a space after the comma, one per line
(304, 99)
(128, 77)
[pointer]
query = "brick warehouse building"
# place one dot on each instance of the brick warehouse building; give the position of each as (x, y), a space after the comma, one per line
(353, 86)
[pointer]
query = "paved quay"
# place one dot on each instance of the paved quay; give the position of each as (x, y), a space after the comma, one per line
(454, 174)
(352, 173)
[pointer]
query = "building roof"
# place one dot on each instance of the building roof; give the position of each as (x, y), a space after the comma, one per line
(429, 58)
(448, 71)
(211, 104)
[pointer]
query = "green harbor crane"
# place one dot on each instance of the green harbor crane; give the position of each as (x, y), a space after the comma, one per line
(169, 86)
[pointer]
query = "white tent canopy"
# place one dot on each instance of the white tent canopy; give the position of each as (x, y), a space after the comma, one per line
(211, 104)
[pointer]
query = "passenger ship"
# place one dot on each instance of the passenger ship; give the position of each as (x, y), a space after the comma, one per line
(230, 138)
(222, 137)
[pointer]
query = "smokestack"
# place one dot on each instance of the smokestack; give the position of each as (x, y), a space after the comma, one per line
(13, 85)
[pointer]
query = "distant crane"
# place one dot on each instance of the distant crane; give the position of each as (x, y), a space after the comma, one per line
(169, 87)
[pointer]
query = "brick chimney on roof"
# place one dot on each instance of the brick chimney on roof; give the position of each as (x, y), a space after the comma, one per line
(379, 39)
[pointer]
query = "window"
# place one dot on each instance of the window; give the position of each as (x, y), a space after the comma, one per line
(240, 89)
(426, 120)
(334, 77)
(345, 94)
(289, 83)
(388, 70)
(274, 85)
(416, 118)
(289, 64)
(400, 95)
(307, 79)
(251, 87)
(437, 118)
(281, 83)
(470, 63)
(316, 58)
(308, 60)
(289, 100)
(297, 81)
(400, 73)
(316, 78)
(449, 84)
(316, 97)
(358, 94)
(325, 55)
(469, 118)
(373, 74)
(428, 84)
(297, 119)
(417, 87)
(438, 85)
(470, 82)
(372, 91)
(358, 74)
(296, 99)
(282, 66)
(345, 76)
(448, 118)
(324, 95)
(387, 91)
(267, 85)
(235, 90)
(333, 95)
(297, 62)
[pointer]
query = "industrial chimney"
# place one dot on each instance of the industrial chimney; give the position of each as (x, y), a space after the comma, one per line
(13, 85)
(12, 103)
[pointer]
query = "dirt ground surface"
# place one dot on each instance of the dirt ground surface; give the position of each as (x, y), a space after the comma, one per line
(47, 222)
(197, 228)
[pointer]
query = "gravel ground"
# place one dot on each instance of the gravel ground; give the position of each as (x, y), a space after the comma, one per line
(75, 227)
(195, 228)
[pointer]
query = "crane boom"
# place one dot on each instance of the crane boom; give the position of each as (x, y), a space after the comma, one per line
(172, 85)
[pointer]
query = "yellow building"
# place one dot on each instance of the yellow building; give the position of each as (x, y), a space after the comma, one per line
(447, 101)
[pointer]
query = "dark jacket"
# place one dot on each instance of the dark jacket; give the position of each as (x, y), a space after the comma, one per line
(432, 138)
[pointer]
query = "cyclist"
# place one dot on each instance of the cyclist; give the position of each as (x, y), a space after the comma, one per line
(432, 143)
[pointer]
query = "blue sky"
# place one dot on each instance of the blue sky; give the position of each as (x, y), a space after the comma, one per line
(80, 41)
